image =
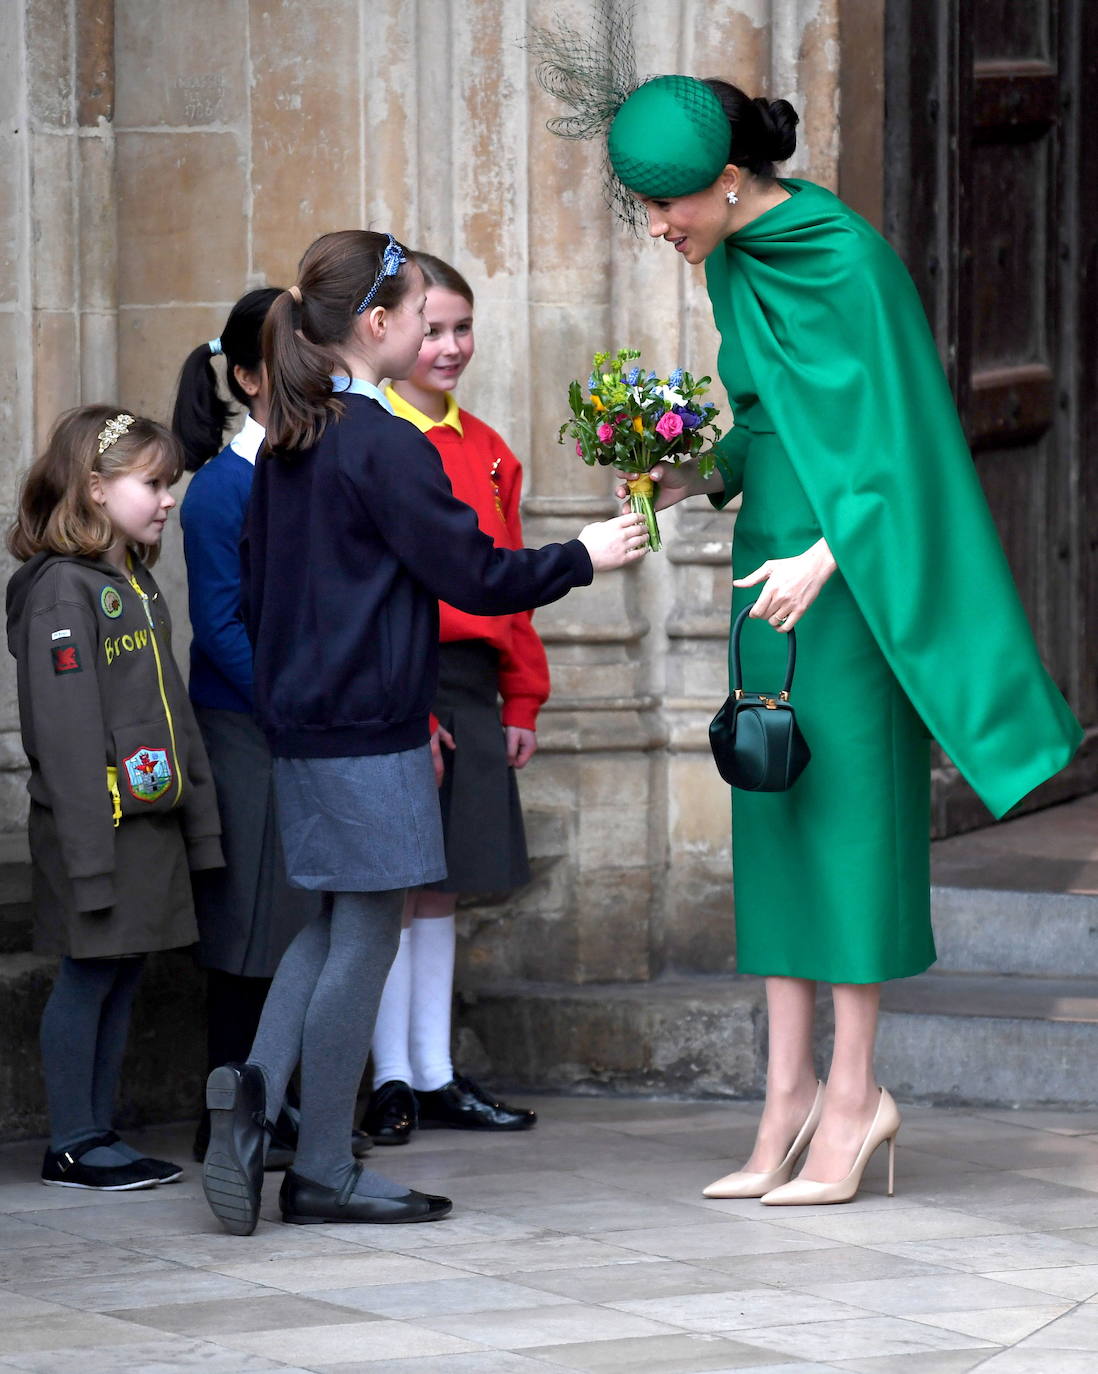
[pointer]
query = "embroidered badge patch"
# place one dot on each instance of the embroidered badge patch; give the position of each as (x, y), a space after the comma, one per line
(148, 773)
(66, 659)
(111, 602)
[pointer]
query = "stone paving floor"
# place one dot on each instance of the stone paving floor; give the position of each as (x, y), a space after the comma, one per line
(584, 1245)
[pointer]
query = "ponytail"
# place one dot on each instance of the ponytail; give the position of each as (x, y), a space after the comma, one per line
(201, 412)
(307, 326)
(300, 378)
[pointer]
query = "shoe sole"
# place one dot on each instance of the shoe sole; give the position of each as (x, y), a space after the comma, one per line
(172, 1178)
(102, 1187)
(295, 1220)
(225, 1180)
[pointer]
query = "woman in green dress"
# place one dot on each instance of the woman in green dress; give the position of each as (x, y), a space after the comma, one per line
(863, 525)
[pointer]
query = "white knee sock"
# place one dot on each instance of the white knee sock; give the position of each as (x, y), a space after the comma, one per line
(390, 1043)
(433, 940)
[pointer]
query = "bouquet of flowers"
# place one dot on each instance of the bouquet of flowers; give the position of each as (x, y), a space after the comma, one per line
(632, 421)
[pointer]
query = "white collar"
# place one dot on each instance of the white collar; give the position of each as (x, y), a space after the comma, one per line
(357, 387)
(248, 438)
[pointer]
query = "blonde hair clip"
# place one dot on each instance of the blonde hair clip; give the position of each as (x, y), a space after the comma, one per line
(113, 430)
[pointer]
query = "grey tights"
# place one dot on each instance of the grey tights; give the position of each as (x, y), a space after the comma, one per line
(83, 1038)
(321, 1009)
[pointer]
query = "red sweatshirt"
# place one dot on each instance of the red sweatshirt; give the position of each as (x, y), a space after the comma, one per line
(486, 475)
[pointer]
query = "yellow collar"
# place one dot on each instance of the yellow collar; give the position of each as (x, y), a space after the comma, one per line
(422, 422)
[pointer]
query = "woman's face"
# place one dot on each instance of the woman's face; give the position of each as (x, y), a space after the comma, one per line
(694, 225)
(448, 344)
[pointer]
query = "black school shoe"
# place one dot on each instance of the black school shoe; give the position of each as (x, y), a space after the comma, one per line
(232, 1173)
(163, 1169)
(305, 1203)
(390, 1116)
(63, 1169)
(465, 1106)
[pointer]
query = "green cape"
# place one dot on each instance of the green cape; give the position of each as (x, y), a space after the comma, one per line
(836, 341)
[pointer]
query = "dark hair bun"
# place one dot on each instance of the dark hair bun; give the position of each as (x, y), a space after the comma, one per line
(779, 121)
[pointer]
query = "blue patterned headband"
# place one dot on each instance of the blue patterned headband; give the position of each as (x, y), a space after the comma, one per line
(392, 260)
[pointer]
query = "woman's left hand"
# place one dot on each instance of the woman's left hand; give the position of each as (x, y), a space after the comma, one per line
(521, 745)
(792, 584)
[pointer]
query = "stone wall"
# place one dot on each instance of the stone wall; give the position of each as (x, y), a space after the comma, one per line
(158, 157)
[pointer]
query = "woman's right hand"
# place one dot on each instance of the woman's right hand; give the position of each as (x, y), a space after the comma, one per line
(614, 543)
(675, 483)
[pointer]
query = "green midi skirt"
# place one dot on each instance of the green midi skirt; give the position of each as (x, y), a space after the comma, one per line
(832, 878)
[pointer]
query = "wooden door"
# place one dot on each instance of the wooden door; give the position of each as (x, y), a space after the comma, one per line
(991, 196)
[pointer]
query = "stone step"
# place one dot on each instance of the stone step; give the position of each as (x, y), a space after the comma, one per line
(165, 1060)
(996, 930)
(991, 1040)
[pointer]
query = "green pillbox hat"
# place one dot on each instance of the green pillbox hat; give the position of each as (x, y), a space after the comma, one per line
(670, 138)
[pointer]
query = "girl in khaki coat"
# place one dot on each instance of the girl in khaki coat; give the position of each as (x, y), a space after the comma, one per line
(122, 804)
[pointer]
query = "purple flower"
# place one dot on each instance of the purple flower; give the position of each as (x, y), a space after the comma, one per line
(669, 425)
(690, 419)
(605, 433)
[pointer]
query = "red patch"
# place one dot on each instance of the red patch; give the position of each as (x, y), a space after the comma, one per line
(66, 659)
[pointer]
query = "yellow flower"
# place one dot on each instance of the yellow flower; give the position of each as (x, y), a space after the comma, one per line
(597, 403)
(638, 424)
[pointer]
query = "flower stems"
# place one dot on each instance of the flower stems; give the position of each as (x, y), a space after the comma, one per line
(641, 490)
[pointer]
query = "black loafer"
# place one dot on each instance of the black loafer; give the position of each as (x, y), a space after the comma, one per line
(65, 1169)
(465, 1106)
(232, 1174)
(390, 1116)
(305, 1203)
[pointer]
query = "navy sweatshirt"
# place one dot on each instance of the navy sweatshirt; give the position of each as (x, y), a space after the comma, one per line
(348, 548)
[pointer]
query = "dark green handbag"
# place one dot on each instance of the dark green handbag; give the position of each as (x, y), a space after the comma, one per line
(756, 741)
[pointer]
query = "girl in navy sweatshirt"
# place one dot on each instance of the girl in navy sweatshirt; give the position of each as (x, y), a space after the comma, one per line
(247, 912)
(352, 536)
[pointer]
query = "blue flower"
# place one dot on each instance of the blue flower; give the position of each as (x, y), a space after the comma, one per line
(676, 378)
(592, 382)
(690, 418)
(651, 377)
(633, 376)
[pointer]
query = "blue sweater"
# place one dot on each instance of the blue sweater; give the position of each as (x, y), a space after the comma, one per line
(348, 548)
(212, 517)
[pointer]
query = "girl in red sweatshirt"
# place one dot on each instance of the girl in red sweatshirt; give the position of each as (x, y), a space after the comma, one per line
(478, 745)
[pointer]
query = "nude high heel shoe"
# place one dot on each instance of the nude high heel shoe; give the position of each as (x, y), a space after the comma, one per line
(743, 1184)
(804, 1192)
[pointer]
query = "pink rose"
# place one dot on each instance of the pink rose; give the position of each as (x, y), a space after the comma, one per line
(669, 425)
(606, 433)
(579, 449)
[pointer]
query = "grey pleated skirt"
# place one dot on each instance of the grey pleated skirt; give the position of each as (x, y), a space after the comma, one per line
(481, 811)
(363, 824)
(247, 911)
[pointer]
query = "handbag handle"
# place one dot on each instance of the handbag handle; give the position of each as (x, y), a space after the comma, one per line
(737, 670)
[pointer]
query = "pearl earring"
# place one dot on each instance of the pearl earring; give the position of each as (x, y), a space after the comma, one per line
(732, 198)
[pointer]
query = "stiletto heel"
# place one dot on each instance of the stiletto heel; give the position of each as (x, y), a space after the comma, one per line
(804, 1192)
(743, 1184)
